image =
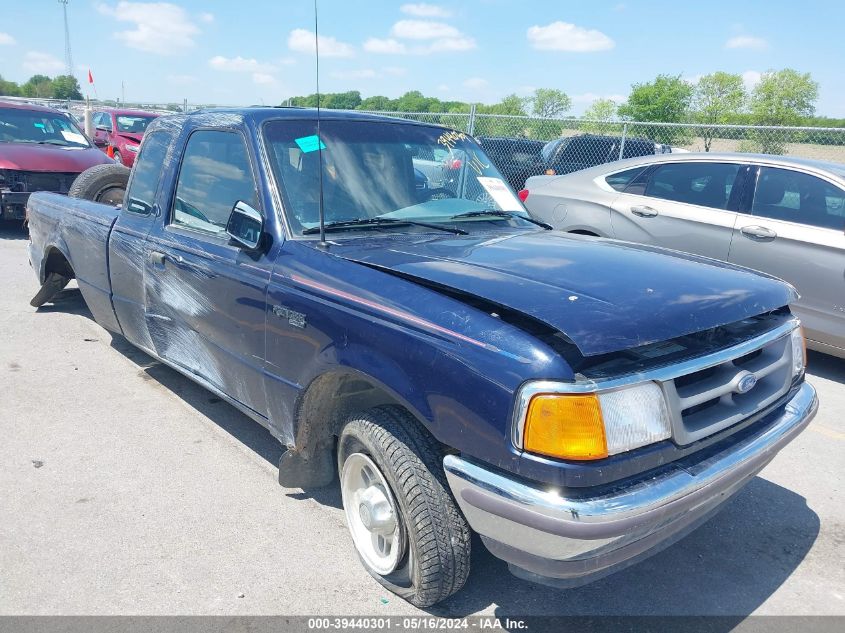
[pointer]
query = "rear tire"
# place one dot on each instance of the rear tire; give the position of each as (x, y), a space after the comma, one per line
(101, 183)
(53, 284)
(428, 556)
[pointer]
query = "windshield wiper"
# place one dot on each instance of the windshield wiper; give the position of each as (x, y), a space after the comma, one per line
(503, 214)
(351, 224)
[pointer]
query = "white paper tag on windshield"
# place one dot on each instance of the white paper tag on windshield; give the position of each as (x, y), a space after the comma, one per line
(73, 137)
(499, 191)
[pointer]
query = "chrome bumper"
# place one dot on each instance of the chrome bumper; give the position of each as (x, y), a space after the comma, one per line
(549, 537)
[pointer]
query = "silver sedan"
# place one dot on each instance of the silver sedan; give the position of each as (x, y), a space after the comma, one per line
(779, 215)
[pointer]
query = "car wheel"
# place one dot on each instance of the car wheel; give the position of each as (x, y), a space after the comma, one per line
(118, 158)
(101, 183)
(405, 525)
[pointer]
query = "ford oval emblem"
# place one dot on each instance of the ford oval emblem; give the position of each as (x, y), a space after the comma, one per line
(746, 383)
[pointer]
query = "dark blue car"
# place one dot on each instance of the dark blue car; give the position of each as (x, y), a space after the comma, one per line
(578, 402)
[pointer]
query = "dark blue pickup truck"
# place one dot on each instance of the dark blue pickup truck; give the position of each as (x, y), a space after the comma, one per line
(578, 402)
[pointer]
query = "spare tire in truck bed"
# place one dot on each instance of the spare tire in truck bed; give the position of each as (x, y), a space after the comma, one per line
(101, 183)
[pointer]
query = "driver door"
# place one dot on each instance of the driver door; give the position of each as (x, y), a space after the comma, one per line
(206, 297)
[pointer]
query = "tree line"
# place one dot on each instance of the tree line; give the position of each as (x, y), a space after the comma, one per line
(43, 87)
(780, 98)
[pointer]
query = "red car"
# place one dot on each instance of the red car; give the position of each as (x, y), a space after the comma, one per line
(41, 149)
(122, 130)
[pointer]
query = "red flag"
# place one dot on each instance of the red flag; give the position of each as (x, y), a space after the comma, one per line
(90, 77)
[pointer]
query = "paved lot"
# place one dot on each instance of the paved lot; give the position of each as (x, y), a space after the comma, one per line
(126, 489)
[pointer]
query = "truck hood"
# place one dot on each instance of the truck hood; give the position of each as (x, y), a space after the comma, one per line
(51, 158)
(604, 295)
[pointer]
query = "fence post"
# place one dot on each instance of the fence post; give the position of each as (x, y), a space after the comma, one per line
(471, 123)
(624, 136)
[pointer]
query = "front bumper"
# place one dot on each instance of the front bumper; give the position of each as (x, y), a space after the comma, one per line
(13, 204)
(548, 537)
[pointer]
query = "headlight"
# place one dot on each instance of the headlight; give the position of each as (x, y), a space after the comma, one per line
(132, 148)
(799, 351)
(586, 426)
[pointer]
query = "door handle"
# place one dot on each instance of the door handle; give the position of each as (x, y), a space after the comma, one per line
(157, 258)
(644, 212)
(758, 233)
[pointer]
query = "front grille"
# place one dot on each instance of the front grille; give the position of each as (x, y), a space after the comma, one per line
(29, 181)
(708, 400)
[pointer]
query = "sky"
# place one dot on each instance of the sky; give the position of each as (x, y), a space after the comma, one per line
(249, 52)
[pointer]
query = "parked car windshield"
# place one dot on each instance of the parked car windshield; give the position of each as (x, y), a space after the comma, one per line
(133, 124)
(43, 127)
(395, 171)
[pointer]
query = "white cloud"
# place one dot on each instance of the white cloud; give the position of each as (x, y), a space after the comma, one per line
(7, 40)
(563, 36)
(443, 88)
(392, 46)
(42, 63)
(263, 78)
(747, 41)
(423, 10)
(206, 17)
(362, 73)
(385, 47)
(261, 73)
(751, 78)
(159, 27)
(302, 41)
(239, 65)
(476, 83)
(423, 30)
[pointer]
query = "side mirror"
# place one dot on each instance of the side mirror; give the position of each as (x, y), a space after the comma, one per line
(245, 226)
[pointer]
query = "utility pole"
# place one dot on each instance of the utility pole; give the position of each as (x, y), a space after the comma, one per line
(68, 56)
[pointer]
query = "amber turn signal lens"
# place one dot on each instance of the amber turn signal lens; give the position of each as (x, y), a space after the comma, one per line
(565, 426)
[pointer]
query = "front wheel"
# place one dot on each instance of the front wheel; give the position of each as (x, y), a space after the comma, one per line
(405, 525)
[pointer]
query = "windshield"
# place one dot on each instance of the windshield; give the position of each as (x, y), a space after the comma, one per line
(133, 124)
(32, 126)
(394, 171)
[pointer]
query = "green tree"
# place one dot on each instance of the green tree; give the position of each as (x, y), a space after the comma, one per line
(66, 87)
(666, 99)
(512, 105)
(342, 100)
(784, 97)
(38, 86)
(599, 116)
(415, 101)
(9, 88)
(718, 98)
(549, 102)
(379, 103)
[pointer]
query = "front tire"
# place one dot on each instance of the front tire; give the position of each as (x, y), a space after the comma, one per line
(405, 525)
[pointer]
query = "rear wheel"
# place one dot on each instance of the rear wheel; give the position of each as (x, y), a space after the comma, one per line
(405, 525)
(101, 183)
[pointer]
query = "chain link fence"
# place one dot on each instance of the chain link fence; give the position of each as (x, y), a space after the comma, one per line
(522, 146)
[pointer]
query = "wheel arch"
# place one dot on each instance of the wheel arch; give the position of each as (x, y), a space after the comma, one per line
(321, 410)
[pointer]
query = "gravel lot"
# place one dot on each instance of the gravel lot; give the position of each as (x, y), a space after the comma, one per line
(126, 489)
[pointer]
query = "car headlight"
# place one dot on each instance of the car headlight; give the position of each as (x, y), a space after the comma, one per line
(585, 426)
(132, 148)
(799, 351)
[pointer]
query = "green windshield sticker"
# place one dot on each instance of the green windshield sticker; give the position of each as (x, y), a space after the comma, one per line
(310, 143)
(41, 125)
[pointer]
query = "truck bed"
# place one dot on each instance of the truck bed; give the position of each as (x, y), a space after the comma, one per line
(76, 231)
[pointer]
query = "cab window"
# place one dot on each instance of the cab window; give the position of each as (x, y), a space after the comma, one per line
(215, 174)
(792, 196)
(142, 189)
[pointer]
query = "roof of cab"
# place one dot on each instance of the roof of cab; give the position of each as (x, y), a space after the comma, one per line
(259, 114)
(23, 105)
